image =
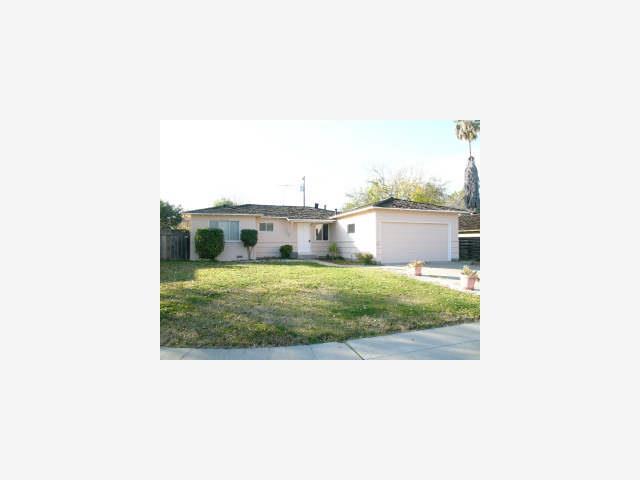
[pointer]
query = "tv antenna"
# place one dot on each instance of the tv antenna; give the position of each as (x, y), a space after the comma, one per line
(303, 189)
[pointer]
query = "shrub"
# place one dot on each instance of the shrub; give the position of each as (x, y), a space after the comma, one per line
(209, 243)
(366, 258)
(249, 239)
(285, 251)
(466, 271)
(333, 251)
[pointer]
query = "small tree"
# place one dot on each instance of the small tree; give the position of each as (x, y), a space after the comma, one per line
(249, 238)
(224, 202)
(170, 216)
(209, 243)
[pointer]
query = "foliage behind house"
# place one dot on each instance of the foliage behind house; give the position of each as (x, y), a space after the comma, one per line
(170, 215)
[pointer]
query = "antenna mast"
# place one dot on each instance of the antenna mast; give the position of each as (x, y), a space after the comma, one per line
(304, 188)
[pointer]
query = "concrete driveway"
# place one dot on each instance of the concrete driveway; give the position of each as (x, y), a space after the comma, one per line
(441, 273)
(458, 342)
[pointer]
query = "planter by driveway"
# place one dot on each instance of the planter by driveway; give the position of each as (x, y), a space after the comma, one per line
(442, 273)
(458, 342)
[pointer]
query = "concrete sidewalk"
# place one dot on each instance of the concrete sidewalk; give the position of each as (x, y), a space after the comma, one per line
(459, 342)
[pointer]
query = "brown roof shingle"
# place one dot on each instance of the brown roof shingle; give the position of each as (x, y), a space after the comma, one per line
(285, 211)
(469, 222)
(392, 202)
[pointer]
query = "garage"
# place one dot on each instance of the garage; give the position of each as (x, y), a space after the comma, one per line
(406, 241)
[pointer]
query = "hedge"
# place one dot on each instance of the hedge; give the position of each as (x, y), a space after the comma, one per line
(209, 242)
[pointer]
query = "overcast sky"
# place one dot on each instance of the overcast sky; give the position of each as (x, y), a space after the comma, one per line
(250, 161)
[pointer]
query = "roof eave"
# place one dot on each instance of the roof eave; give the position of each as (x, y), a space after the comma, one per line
(262, 215)
(371, 207)
(228, 214)
(311, 220)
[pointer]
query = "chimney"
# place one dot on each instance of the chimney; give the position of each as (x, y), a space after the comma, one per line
(336, 211)
(316, 205)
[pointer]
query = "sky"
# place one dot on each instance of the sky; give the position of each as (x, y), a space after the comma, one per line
(264, 161)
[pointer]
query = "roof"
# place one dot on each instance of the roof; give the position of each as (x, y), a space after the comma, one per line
(284, 211)
(392, 202)
(397, 203)
(469, 222)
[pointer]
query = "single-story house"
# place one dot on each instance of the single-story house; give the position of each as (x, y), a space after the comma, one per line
(393, 230)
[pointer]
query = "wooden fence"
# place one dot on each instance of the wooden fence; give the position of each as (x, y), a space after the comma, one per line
(469, 248)
(174, 245)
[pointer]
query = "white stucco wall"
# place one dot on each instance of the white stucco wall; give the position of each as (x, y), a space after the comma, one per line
(363, 240)
(269, 243)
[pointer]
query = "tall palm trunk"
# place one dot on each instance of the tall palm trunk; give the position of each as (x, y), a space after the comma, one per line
(471, 187)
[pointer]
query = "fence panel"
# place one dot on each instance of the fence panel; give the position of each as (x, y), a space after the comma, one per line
(469, 248)
(174, 245)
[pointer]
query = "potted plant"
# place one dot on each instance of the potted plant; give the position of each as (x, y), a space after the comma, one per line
(417, 267)
(468, 278)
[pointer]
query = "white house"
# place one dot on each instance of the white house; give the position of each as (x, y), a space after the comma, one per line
(393, 230)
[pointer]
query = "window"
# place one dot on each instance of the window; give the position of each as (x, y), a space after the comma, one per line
(231, 229)
(322, 232)
(351, 228)
(266, 227)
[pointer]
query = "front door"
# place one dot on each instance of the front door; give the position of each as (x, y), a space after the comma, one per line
(304, 239)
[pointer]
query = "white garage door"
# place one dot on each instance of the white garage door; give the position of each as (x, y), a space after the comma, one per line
(405, 242)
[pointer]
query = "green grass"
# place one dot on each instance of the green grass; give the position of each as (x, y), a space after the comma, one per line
(341, 261)
(207, 304)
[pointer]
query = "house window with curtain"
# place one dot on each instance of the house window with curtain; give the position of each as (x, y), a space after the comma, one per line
(322, 232)
(231, 229)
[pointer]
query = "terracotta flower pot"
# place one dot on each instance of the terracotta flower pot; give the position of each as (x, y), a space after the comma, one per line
(418, 270)
(468, 283)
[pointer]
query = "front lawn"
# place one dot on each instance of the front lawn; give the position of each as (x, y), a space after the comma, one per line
(207, 304)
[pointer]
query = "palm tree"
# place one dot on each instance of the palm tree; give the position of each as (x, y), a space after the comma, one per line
(471, 187)
(467, 130)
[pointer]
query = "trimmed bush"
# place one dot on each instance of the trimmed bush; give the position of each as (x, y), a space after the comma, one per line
(285, 251)
(366, 258)
(209, 243)
(249, 239)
